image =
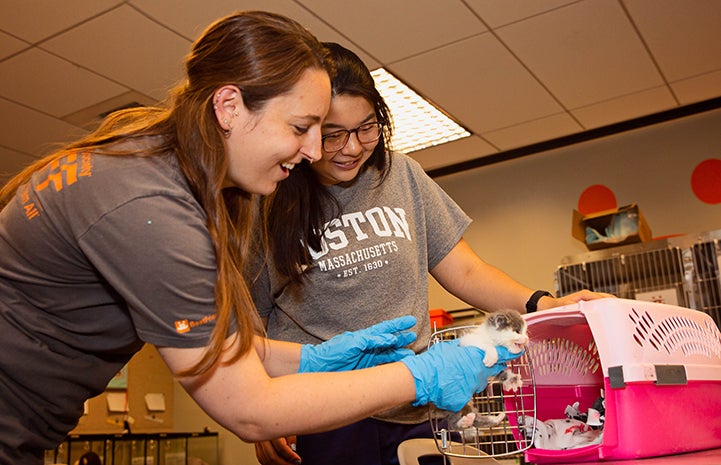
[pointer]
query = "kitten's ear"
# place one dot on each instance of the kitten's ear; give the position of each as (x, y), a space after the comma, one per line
(499, 320)
(492, 319)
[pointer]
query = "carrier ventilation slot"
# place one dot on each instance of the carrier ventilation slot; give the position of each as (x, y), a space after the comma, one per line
(564, 357)
(676, 333)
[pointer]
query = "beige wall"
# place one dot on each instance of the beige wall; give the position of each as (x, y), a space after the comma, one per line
(522, 221)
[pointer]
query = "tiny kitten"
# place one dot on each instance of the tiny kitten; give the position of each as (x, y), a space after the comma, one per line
(505, 328)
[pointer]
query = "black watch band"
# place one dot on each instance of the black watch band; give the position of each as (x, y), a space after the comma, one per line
(532, 304)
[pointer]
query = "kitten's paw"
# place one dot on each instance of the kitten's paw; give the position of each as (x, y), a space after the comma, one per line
(490, 359)
(488, 421)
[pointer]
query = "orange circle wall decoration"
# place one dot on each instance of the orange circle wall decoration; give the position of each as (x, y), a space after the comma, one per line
(596, 198)
(706, 181)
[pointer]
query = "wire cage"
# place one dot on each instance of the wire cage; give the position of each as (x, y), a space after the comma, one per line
(627, 271)
(508, 434)
(681, 271)
(703, 258)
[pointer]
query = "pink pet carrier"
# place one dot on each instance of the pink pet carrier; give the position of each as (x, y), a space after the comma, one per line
(657, 368)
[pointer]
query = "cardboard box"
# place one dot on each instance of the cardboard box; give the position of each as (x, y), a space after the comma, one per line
(619, 226)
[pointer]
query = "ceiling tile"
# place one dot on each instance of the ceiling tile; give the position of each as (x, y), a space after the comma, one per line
(479, 83)
(453, 152)
(698, 88)
(195, 15)
(12, 162)
(53, 77)
(38, 19)
(584, 53)
(496, 13)
(116, 46)
(625, 108)
(532, 132)
(10, 45)
(685, 36)
(407, 30)
(24, 134)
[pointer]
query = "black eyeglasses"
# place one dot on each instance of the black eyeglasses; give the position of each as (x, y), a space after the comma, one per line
(366, 133)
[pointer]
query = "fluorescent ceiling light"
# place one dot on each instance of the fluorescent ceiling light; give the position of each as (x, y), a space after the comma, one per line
(417, 124)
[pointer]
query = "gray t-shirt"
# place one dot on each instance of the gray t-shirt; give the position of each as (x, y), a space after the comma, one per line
(100, 254)
(375, 259)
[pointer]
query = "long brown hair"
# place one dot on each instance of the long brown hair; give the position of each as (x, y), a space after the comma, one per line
(262, 53)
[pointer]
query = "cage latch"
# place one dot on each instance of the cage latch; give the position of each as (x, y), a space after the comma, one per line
(615, 377)
(670, 374)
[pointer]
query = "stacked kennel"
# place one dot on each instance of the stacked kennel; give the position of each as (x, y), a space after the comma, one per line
(682, 271)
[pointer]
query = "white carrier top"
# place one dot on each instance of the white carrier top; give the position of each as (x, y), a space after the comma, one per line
(635, 341)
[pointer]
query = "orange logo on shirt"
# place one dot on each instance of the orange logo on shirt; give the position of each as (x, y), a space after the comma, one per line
(61, 172)
(184, 326)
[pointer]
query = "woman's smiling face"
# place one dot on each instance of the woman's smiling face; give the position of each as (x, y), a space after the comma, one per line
(264, 145)
(347, 112)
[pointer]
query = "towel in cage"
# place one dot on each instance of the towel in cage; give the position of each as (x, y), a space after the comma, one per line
(504, 439)
(657, 368)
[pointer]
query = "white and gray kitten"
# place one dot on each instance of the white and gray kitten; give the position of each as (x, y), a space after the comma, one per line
(505, 328)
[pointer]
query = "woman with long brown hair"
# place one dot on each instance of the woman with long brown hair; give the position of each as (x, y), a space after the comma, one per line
(139, 232)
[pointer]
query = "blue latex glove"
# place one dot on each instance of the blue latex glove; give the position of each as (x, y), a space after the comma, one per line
(448, 375)
(378, 344)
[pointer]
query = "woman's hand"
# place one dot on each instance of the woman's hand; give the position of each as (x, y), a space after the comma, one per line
(376, 345)
(546, 303)
(279, 451)
(447, 374)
